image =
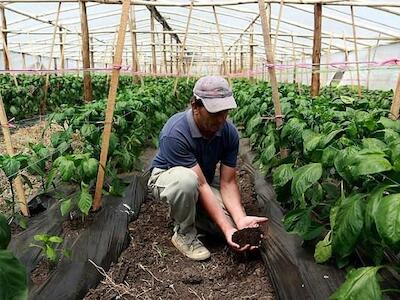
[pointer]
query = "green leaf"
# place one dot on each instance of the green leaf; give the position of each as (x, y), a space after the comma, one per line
(5, 233)
(65, 206)
(347, 99)
(328, 156)
(374, 144)
(11, 166)
(348, 224)
(294, 128)
(344, 163)
(267, 154)
(56, 239)
(90, 168)
(13, 279)
(88, 129)
(328, 138)
(41, 237)
(50, 177)
(304, 177)
(391, 124)
(298, 221)
(84, 199)
(387, 218)
(323, 249)
(360, 284)
(66, 168)
(51, 253)
(371, 164)
(282, 174)
(311, 140)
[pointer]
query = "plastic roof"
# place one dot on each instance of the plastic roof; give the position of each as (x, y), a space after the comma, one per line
(375, 26)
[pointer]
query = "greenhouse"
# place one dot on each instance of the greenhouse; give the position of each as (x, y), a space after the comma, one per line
(209, 149)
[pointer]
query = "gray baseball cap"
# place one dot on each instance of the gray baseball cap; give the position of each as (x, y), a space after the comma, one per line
(215, 93)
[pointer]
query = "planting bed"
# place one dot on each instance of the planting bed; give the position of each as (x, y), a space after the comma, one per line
(152, 268)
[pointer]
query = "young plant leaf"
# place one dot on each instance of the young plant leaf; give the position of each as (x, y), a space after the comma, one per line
(304, 177)
(5, 232)
(84, 199)
(282, 174)
(360, 283)
(323, 249)
(66, 206)
(349, 222)
(13, 279)
(387, 218)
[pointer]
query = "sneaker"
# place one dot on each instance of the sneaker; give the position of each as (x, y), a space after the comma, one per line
(190, 246)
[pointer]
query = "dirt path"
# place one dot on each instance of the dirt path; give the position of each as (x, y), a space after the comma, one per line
(151, 268)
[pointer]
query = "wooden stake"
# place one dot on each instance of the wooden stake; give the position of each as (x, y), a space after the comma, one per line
(316, 59)
(394, 109)
(235, 61)
(183, 47)
(373, 59)
(42, 109)
(135, 58)
(87, 81)
(221, 45)
(270, 60)
(91, 53)
(171, 56)
(62, 58)
(241, 56)
(165, 53)
(153, 45)
(251, 53)
(4, 38)
(110, 104)
(356, 51)
(10, 150)
(23, 60)
(328, 59)
(277, 25)
(294, 61)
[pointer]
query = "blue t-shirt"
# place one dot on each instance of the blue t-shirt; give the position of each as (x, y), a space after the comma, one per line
(181, 144)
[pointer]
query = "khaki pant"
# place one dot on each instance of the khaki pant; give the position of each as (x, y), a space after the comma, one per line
(178, 187)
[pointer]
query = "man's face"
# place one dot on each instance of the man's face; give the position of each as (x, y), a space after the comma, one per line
(209, 123)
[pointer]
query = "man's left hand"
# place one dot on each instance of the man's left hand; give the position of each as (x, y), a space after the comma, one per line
(250, 221)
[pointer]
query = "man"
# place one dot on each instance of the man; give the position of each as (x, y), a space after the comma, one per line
(192, 143)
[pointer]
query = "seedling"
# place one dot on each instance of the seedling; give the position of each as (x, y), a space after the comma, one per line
(48, 244)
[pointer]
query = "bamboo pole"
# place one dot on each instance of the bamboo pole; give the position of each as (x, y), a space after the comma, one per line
(277, 25)
(171, 56)
(294, 61)
(135, 60)
(42, 109)
(153, 46)
(395, 107)
(23, 60)
(251, 53)
(373, 59)
(183, 48)
(62, 57)
(87, 81)
(6, 55)
(328, 59)
(270, 60)
(235, 61)
(241, 56)
(10, 150)
(316, 59)
(356, 51)
(221, 45)
(176, 57)
(91, 53)
(110, 104)
(346, 59)
(165, 54)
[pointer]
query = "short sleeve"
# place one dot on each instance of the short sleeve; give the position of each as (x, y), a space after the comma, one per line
(177, 153)
(231, 150)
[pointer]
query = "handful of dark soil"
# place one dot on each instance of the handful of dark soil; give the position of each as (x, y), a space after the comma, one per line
(251, 236)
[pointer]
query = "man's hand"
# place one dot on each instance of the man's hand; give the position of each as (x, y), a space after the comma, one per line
(250, 221)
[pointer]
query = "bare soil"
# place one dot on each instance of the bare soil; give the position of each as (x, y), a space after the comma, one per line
(248, 236)
(151, 267)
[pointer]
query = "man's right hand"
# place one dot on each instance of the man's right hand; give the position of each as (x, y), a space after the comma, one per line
(228, 235)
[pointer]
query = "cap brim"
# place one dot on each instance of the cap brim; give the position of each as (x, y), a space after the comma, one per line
(215, 105)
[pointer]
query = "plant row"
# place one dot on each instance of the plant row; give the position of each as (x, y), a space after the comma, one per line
(335, 164)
